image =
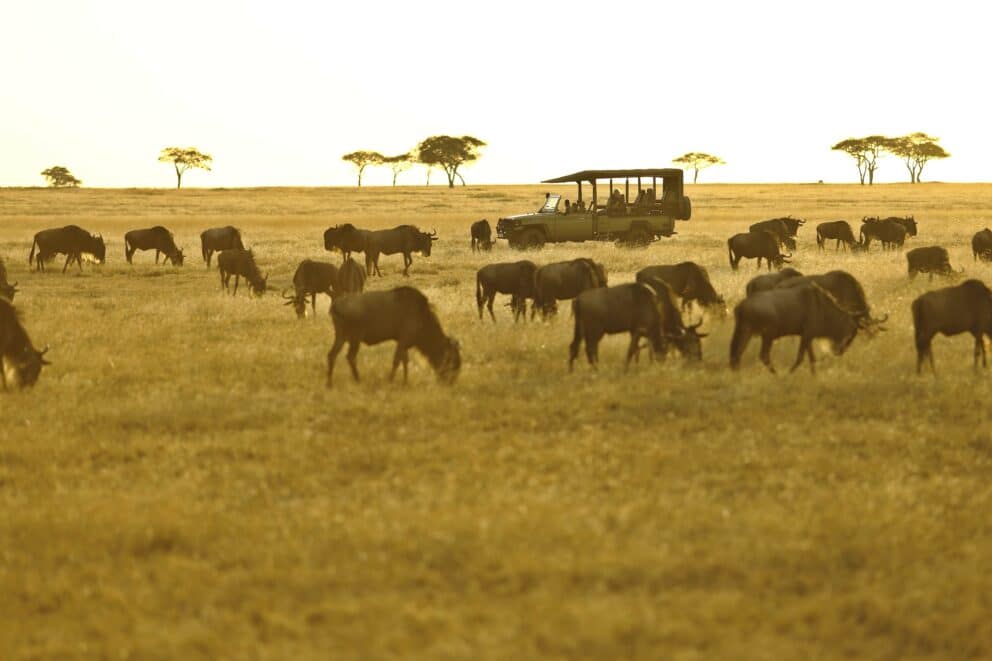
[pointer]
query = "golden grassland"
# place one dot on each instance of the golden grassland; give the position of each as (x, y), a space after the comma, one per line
(180, 484)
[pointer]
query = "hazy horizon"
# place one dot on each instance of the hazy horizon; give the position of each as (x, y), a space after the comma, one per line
(278, 93)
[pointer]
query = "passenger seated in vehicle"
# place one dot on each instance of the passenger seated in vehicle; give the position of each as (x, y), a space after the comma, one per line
(568, 207)
(579, 207)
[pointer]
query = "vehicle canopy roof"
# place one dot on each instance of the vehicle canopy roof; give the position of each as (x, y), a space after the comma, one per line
(593, 175)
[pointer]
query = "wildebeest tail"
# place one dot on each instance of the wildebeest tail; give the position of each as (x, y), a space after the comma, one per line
(478, 290)
(738, 340)
(730, 253)
(31, 256)
(819, 237)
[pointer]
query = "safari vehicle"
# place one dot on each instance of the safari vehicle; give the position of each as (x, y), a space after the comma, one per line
(613, 217)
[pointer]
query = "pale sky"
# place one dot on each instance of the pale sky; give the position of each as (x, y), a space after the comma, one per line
(278, 91)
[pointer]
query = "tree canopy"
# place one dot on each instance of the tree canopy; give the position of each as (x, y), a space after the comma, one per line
(363, 159)
(696, 161)
(398, 163)
(449, 153)
(916, 149)
(866, 152)
(58, 176)
(185, 158)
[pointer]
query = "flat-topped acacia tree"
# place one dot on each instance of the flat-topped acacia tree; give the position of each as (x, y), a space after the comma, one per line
(448, 153)
(696, 161)
(183, 159)
(363, 159)
(58, 176)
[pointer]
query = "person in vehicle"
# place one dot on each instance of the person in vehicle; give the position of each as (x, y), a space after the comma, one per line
(568, 207)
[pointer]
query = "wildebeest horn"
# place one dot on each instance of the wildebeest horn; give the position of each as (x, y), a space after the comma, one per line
(291, 298)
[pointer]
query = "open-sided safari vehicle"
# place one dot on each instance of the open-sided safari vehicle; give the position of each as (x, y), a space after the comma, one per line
(611, 217)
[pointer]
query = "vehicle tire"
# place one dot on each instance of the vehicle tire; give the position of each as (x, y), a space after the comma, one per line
(532, 239)
(686, 209)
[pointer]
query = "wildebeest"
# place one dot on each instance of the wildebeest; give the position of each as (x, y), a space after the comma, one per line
(630, 308)
(563, 280)
(793, 224)
(929, 259)
(482, 236)
(513, 278)
(404, 239)
(311, 278)
(761, 244)
(673, 329)
(219, 238)
(688, 280)
(240, 263)
(7, 290)
(908, 222)
(155, 238)
(347, 238)
(981, 245)
(770, 280)
(779, 228)
(402, 314)
(809, 312)
(890, 233)
(71, 241)
(848, 293)
(965, 308)
(351, 278)
(16, 351)
(838, 230)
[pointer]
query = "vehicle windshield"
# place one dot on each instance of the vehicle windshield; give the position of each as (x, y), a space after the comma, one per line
(551, 203)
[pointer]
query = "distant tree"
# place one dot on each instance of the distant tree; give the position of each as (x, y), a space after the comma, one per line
(448, 153)
(866, 152)
(696, 161)
(185, 158)
(363, 159)
(59, 176)
(399, 163)
(915, 150)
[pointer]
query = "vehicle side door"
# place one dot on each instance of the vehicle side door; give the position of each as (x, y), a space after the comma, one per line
(572, 227)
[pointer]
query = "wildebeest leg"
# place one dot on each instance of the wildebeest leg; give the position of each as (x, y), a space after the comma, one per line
(489, 306)
(634, 349)
(979, 348)
(592, 351)
(156, 255)
(313, 304)
(766, 353)
(401, 356)
(237, 278)
(352, 357)
(573, 348)
(407, 261)
(67, 260)
(805, 346)
(332, 356)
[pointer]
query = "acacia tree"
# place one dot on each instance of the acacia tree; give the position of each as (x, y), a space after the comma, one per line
(866, 152)
(915, 150)
(363, 159)
(185, 158)
(696, 161)
(448, 153)
(399, 163)
(58, 176)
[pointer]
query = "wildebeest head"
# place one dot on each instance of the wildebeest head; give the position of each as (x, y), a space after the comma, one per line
(299, 304)
(259, 286)
(99, 248)
(839, 324)
(451, 361)
(27, 364)
(177, 257)
(689, 341)
(425, 241)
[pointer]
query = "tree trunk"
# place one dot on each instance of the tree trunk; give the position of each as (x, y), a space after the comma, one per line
(394, 178)
(871, 176)
(451, 177)
(695, 174)
(179, 178)
(360, 170)
(460, 178)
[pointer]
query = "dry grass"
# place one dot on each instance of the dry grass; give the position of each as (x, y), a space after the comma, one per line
(181, 485)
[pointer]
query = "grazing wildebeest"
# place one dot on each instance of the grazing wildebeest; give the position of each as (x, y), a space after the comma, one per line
(981, 245)
(890, 233)
(155, 238)
(848, 293)
(347, 238)
(779, 228)
(673, 329)
(70, 240)
(908, 222)
(402, 314)
(311, 278)
(219, 238)
(761, 245)
(688, 280)
(793, 224)
(770, 280)
(564, 280)
(482, 236)
(809, 312)
(240, 263)
(351, 278)
(7, 290)
(966, 308)
(16, 351)
(513, 278)
(929, 259)
(404, 239)
(839, 230)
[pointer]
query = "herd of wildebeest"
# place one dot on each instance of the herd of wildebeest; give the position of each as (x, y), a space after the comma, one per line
(782, 303)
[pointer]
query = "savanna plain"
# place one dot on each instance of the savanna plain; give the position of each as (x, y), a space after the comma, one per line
(181, 483)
